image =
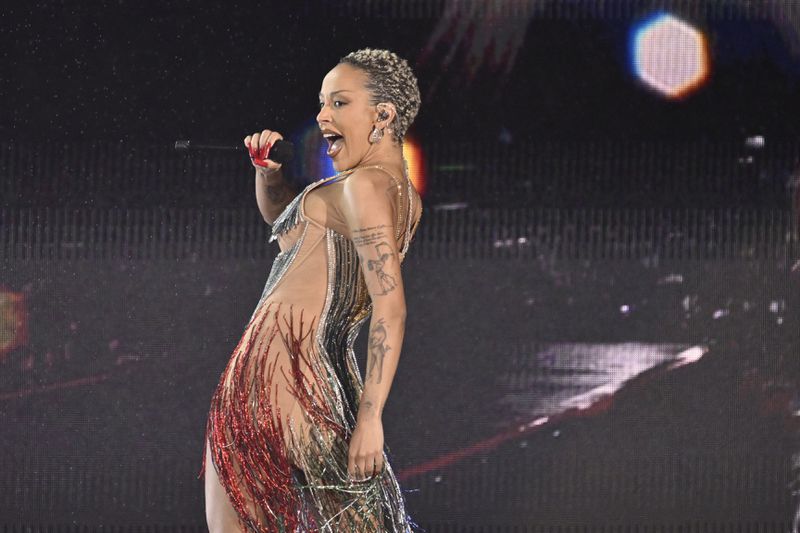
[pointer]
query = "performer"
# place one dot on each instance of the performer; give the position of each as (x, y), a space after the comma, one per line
(294, 433)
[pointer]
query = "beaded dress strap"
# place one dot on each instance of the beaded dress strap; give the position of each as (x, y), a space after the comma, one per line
(295, 211)
(409, 192)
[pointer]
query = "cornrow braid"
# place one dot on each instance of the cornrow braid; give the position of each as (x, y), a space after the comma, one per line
(390, 79)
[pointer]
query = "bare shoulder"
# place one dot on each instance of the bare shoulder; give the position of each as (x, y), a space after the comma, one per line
(371, 187)
(365, 180)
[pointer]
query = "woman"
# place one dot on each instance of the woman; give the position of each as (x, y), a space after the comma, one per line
(295, 435)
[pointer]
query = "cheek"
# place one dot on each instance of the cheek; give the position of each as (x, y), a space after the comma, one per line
(360, 126)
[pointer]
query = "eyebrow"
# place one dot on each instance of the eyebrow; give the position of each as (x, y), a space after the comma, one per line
(339, 91)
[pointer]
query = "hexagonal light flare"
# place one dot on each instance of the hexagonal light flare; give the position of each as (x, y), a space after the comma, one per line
(669, 55)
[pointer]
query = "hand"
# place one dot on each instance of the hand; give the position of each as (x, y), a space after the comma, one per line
(365, 457)
(258, 144)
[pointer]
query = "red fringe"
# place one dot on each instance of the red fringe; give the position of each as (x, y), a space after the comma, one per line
(253, 439)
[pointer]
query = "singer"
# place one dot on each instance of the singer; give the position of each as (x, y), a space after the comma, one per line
(294, 433)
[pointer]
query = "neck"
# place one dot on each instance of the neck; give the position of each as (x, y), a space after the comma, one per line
(386, 154)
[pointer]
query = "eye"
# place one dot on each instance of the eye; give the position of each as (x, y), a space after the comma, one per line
(338, 103)
(321, 104)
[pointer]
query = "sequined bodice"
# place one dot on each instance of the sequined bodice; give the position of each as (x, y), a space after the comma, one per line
(311, 251)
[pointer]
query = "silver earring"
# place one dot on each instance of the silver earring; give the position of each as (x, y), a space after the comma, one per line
(376, 135)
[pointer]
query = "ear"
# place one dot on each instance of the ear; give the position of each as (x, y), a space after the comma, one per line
(386, 114)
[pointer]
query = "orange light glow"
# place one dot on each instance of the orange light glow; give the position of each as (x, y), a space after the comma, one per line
(416, 164)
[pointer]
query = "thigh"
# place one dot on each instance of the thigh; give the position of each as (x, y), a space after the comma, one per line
(220, 513)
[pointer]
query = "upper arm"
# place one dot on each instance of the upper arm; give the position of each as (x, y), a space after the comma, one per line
(368, 213)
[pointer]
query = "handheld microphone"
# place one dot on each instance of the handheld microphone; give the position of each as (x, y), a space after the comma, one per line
(281, 152)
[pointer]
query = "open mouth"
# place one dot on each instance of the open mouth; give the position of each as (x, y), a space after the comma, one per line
(335, 143)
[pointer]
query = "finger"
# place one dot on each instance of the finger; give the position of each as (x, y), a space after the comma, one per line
(355, 474)
(274, 136)
(351, 467)
(377, 467)
(252, 146)
(264, 145)
(263, 139)
(366, 469)
(270, 141)
(259, 148)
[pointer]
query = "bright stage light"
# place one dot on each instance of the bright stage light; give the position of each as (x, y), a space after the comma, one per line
(669, 55)
(416, 165)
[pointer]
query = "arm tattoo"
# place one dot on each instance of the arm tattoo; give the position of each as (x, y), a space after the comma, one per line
(370, 235)
(385, 254)
(376, 236)
(366, 407)
(377, 349)
(277, 193)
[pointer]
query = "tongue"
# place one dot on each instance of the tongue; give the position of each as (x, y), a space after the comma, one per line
(335, 146)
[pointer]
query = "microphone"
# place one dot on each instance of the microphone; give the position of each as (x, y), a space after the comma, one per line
(280, 152)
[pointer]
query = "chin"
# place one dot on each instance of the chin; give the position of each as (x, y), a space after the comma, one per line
(340, 165)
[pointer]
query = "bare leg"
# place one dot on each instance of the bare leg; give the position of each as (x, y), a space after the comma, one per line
(221, 517)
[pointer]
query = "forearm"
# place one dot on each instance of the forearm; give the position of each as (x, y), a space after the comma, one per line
(273, 193)
(385, 340)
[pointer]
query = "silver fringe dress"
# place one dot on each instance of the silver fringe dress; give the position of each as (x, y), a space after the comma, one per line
(296, 356)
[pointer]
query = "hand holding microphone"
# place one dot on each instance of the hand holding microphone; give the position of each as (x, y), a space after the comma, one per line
(268, 152)
(267, 148)
(259, 145)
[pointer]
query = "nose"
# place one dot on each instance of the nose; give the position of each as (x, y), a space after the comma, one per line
(323, 115)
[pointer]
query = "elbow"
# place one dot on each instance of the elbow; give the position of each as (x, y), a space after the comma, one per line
(269, 215)
(392, 313)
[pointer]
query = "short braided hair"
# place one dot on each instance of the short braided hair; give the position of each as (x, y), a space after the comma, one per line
(389, 79)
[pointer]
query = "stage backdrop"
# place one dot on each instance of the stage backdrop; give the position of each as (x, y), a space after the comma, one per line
(603, 328)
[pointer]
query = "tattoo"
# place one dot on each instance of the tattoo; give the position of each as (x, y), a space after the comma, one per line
(370, 235)
(377, 236)
(368, 409)
(377, 349)
(277, 193)
(387, 282)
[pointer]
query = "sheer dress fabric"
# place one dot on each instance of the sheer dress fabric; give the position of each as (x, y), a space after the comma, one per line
(285, 406)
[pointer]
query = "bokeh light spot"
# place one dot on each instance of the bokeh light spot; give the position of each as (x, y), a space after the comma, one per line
(669, 55)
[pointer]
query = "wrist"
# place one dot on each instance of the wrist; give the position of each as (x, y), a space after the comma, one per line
(269, 176)
(369, 410)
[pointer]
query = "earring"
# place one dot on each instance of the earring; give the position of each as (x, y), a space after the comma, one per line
(376, 135)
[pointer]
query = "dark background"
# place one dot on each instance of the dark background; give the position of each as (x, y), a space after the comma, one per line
(579, 231)
(128, 71)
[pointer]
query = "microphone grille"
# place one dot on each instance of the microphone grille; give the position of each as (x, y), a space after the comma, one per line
(282, 152)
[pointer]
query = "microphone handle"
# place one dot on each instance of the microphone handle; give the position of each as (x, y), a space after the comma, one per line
(281, 152)
(191, 145)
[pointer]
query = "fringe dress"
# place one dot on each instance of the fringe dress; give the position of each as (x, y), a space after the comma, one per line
(281, 417)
